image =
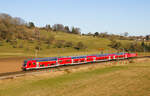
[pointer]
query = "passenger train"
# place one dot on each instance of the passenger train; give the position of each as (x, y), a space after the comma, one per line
(38, 63)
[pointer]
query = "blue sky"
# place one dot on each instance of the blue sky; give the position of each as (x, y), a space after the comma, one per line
(112, 16)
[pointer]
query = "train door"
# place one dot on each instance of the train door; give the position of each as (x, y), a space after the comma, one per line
(37, 65)
(126, 56)
(94, 59)
(114, 57)
(109, 57)
(71, 61)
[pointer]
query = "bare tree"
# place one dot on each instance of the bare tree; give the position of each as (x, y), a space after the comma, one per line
(48, 27)
(66, 29)
(58, 27)
(76, 30)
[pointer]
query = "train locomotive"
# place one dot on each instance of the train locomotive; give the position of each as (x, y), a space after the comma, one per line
(38, 63)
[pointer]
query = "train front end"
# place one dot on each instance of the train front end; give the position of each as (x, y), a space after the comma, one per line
(24, 65)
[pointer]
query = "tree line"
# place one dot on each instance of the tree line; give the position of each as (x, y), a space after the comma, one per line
(15, 27)
(130, 46)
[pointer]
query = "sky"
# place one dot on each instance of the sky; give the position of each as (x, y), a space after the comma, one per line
(112, 16)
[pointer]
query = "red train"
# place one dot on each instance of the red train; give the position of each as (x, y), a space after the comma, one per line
(38, 63)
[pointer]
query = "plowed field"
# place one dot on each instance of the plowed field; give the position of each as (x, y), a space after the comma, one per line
(11, 64)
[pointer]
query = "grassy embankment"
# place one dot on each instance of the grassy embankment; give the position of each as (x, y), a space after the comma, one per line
(128, 80)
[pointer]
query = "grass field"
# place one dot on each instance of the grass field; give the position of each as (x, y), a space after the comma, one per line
(122, 80)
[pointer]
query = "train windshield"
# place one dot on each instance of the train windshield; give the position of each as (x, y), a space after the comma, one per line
(25, 63)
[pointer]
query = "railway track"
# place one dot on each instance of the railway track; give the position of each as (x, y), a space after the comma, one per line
(12, 75)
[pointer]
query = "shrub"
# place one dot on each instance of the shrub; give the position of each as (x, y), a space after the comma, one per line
(38, 46)
(59, 43)
(14, 43)
(79, 46)
(68, 44)
(114, 44)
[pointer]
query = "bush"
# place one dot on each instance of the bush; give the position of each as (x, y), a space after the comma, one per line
(14, 43)
(114, 44)
(80, 46)
(38, 46)
(14, 46)
(68, 44)
(59, 43)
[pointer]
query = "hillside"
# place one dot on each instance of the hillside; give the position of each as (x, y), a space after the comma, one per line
(20, 38)
(92, 45)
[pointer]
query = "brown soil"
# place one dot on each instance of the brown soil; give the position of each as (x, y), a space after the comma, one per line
(11, 64)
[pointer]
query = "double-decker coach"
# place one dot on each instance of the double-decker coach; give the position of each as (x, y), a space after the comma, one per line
(38, 63)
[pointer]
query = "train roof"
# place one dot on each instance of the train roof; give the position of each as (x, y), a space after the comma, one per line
(43, 59)
(72, 57)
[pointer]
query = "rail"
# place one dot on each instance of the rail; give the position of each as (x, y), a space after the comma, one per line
(12, 75)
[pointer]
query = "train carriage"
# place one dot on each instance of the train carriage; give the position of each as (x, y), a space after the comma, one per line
(38, 63)
(64, 60)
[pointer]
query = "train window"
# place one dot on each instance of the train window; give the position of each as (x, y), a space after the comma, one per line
(52, 64)
(67, 60)
(82, 60)
(75, 61)
(25, 62)
(29, 64)
(41, 65)
(24, 65)
(33, 63)
(88, 58)
(60, 61)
